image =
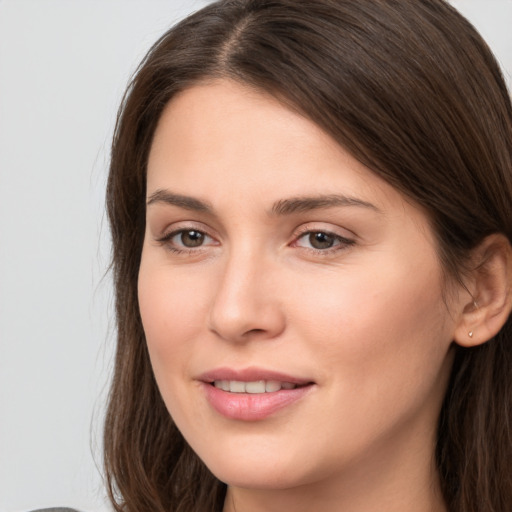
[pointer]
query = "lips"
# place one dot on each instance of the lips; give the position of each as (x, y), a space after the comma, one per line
(252, 394)
(251, 374)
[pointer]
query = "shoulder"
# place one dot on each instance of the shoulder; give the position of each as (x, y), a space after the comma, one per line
(55, 509)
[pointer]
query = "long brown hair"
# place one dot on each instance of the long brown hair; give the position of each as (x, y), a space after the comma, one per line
(414, 93)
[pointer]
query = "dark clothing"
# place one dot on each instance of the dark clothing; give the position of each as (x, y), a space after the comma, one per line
(55, 509)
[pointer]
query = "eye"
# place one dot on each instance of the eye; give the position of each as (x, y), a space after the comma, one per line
(322, 241)
(189, 238)
(186, 240)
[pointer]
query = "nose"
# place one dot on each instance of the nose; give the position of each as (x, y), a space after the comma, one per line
(245, 304)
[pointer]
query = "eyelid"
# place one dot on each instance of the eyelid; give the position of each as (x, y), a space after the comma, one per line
(171, 234)
(180, 227)
(308, 229)
(320, 227)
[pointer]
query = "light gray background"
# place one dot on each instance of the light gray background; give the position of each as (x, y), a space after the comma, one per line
(63, 68)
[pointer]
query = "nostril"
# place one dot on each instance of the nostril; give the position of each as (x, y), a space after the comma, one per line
(254, 331)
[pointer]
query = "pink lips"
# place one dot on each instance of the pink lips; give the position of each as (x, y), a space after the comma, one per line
(251, 406)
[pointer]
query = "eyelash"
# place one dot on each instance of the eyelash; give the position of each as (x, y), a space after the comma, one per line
(342, 243)
(165, 240)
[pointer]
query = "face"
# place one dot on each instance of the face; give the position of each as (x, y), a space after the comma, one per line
(292, 301)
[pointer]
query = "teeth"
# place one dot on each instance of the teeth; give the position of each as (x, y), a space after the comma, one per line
(255, 387)
(272, 385)
(236, 386)
(258, 386)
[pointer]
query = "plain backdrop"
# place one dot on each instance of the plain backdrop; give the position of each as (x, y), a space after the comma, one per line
(63, 67)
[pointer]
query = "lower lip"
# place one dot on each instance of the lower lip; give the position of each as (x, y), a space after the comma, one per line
(249, 406)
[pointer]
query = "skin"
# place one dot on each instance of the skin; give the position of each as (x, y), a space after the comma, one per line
(364, 320)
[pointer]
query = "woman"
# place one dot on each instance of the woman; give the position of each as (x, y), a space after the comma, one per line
(310, 205)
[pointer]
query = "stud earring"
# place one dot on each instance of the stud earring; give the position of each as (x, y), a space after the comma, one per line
(470, 334)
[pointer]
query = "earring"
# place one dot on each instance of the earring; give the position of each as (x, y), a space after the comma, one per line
(470, 334)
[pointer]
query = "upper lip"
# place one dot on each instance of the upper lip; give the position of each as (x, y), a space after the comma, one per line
(250, 374)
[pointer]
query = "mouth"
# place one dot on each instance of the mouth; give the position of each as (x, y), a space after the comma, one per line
(252, 394)
(252, 380)
(254, 387)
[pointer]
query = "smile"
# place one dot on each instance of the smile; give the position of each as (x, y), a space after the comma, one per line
(252, 394)
(254, 387)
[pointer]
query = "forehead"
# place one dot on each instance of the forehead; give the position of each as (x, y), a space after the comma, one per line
(223, 134)
(223, 117)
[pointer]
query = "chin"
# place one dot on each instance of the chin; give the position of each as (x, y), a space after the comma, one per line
(251, 466)
(264, 476)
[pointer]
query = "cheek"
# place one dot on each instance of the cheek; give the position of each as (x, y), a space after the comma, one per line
(379, 327)
(379, 341)
(172, 309)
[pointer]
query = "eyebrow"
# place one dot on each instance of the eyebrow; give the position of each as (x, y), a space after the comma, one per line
(186, 202)
(282, 207)
(303, 204)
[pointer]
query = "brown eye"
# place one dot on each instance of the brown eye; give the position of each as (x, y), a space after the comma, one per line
(191, 238)
(187, 241)
(320, 240)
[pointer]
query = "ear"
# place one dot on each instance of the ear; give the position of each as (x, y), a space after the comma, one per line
(486, 310)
